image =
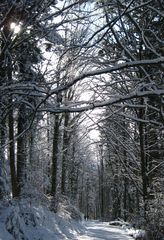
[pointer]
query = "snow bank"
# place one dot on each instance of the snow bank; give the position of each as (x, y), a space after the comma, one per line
(135, 233)
(121, 223)
(23, 221)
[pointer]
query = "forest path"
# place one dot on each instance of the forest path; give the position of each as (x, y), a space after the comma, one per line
(102, 231)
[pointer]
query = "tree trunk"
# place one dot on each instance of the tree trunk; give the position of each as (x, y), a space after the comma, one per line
(2, 119)
(143, 158)
(74, 176)
(64, 157)
(6, 75)
(125, 194)
(12, 155)
(125, 197)
(21, 149)
(2, 159)
(11, 134)
(101, 175)
(55, 152)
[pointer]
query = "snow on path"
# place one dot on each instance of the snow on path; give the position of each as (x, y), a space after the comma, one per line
(102, 231)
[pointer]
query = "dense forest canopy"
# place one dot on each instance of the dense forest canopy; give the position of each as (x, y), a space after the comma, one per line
(60, 62)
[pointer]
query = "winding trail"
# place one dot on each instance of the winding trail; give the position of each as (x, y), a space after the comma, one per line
(102, 231)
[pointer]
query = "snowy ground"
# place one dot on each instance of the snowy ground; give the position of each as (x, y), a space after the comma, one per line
(23, 220)
(102, 231)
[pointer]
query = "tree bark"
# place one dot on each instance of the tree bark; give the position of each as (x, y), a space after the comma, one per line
(2, 159)
(12, 155)
(21, 149)
(102, 187)
(55, 152)
(143, 159)
(64, 157)
(6, 74)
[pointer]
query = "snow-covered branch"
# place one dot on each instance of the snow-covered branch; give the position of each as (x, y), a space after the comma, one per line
(93, 105)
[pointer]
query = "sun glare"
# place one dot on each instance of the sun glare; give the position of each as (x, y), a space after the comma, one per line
(15, 27)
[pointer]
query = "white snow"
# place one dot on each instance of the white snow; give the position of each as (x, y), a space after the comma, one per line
(131, 231)
(30, 222)
(103, 231)
(25, 220)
